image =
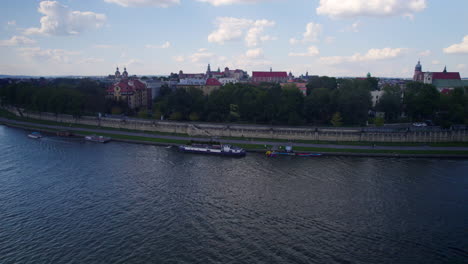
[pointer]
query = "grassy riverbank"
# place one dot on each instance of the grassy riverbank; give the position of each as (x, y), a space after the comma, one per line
(35, 125)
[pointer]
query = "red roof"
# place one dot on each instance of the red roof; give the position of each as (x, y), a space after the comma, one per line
(446, 91)
(270, 74)
(128, 86)
(212, 82)
(446, 76)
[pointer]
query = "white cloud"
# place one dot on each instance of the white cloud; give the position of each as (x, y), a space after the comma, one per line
(311, 51)
(58, 19)
(330, 40)
(91, 61)
(254, 53)
(461, 66)
(371, 55)
(244, 62)
(103, 46)
(144, 3)
(11, 23)
(166, 45)
(179, 58)
(353, 27)
(52, 55)
(313, 31)
(131, 62)
(459, 48)
(230, 2)
(355, 8)
(425, 53)
(435, 62)
(231, 28)
(16, 41)
(202, 56)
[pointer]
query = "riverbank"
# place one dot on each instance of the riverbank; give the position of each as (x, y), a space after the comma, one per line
(252, 145)
(398, 136)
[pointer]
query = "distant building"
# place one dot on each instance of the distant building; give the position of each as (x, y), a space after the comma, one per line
(376, 96)
(302, 86)
(441, 80)
(225, 80)
(154, 86)
(132, 91)
(236, 74)
(183, 75)
(206, 86)
(271, 76)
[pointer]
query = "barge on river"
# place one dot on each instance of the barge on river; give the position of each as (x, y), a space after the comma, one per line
(214, 149)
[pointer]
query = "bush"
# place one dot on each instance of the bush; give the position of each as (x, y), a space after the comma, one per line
(336, 120)
(176, 116)
(194, 116)
(379, 121)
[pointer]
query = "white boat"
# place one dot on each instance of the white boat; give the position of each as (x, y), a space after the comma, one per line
(35, 135)
(100, 139)
(214, 149)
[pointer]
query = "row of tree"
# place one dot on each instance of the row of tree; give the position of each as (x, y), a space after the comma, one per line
(61, 96)
(328, 101)
(421, 102)
(269, 103)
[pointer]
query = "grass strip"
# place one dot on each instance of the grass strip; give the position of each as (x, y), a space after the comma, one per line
(70, 127)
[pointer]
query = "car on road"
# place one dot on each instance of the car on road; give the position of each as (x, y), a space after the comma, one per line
(419, 124)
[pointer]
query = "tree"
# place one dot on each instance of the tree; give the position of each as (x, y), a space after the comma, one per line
(336, 120)
(390, 102)
(317, 106)
(353, 101)
(421, 100)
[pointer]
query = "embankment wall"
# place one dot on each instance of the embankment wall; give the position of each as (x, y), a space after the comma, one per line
(258, 131)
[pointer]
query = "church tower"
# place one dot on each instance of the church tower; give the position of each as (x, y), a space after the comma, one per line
(208, 71)
(418, 74)
(125, 73)
(117, 73)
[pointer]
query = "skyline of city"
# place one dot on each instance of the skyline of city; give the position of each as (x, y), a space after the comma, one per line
(156, 37)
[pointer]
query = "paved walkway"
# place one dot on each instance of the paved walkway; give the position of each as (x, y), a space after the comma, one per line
(233, 141)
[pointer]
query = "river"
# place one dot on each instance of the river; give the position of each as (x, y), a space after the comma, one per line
(69, 201)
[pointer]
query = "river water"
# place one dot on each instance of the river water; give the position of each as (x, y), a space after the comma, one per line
(67, 201)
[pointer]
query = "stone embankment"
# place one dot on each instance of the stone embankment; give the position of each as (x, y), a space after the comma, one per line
(385, 134)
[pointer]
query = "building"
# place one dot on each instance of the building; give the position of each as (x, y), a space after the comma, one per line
(211, 85)
(206, 86)
(271, 76)
(226, 80)
(132, 91)
(154, 86)
(441, 80)
(236, 74)
(376, 95)
(183, 75)
(302, 86)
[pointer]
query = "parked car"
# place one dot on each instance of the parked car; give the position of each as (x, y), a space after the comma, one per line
(419, 124)
(429, 122)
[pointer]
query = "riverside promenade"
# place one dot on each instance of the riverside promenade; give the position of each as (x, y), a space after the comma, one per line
(332, 149)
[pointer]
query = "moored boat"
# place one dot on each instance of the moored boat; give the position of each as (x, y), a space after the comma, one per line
(99, 139)
(64, 133)
(289, 152)
(35, 135)
(214, 149)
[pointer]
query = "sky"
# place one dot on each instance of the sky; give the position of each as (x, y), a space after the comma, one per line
(157, 37)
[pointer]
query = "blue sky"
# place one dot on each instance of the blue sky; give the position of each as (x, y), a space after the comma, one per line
(323, 37)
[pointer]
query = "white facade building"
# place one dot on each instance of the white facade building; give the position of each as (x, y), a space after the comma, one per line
(225, 81)
(376, 95)
(192, 81)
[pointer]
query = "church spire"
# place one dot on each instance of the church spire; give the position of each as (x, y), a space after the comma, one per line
(445, 69)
